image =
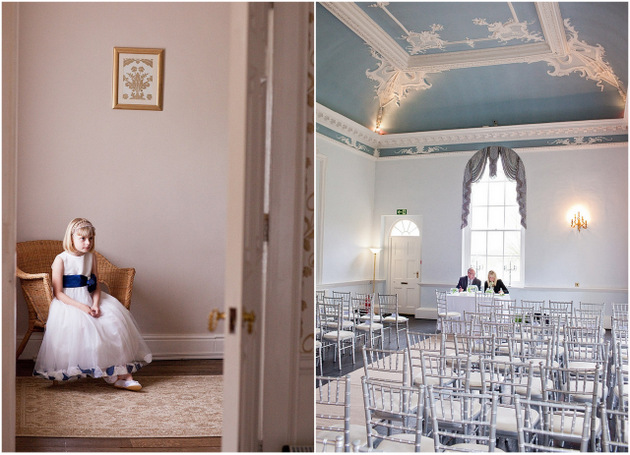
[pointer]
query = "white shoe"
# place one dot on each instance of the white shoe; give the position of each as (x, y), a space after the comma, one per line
(128, 384)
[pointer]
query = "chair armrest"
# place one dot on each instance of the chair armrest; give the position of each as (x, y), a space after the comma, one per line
(30, 276)
(37, 290)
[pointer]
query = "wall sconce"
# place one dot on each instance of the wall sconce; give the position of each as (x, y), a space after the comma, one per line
(579, 222)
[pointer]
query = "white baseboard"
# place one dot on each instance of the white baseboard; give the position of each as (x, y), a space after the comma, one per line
(163, 347)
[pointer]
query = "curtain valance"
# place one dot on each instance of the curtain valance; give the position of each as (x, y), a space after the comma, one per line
(513, 168)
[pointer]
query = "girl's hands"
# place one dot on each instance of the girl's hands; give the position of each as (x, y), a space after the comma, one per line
(95, 311)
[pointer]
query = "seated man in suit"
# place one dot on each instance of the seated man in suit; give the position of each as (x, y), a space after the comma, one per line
(469, 280)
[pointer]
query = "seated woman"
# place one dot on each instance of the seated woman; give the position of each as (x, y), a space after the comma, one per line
(496, 285)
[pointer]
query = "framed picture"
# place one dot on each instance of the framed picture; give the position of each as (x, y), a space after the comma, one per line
(138, 78)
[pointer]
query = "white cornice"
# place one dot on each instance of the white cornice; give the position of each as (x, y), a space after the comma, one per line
(504, 133)
(341, 124)
(362, 25)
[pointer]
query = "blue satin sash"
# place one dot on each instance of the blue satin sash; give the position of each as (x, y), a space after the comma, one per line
(78, 281)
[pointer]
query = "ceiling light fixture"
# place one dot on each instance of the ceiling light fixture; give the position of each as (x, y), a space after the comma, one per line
(379, 119)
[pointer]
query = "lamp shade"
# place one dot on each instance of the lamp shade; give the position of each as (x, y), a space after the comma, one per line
(375, 250)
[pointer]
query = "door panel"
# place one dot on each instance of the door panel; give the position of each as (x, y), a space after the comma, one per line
(242, 363)
(405, 272)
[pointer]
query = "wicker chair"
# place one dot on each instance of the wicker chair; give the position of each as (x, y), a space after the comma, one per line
(34, 261)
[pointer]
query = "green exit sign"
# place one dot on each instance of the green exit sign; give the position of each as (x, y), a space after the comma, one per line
(401, 211)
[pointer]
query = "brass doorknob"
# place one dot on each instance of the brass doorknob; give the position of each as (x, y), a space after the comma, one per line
(213, 319)
(250, 318)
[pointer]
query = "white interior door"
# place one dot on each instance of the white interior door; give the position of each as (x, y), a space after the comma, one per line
(405, 272)
(244, 271)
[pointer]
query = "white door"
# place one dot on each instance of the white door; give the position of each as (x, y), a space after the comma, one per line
(405, 261)
(268, 381)
(244, 271)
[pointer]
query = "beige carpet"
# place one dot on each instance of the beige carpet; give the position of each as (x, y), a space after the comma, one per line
(167, 406)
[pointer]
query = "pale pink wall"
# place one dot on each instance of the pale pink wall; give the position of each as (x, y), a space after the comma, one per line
(153, 183)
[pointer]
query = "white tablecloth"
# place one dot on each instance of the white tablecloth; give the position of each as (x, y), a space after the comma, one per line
(464, 301)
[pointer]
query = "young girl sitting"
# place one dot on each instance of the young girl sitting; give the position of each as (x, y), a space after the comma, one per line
(88, 332)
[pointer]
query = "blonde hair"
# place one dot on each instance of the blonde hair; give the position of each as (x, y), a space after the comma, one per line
(491, 273)
(79, 226)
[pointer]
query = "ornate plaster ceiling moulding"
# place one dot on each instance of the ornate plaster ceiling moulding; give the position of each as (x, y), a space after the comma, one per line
(498, 133)
(552, 26)
(586, 60)
(363, 26)
(337, 122)
(437, 63)
(394, 84)
(397, 76)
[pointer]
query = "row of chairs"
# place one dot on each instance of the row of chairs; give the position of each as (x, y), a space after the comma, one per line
(344, 319)
(539, 405)
(561, 313)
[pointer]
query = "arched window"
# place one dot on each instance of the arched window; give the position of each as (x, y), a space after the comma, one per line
(405, 228)
(494, 238)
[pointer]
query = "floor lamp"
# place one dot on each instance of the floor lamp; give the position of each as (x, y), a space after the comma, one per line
(374, 250)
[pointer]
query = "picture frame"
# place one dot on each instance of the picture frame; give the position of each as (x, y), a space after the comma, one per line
(138, 78)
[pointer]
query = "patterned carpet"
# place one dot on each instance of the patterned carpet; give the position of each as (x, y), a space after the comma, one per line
(167, 406)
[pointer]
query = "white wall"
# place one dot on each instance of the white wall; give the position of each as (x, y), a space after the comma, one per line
(556, 256)
(348, 206)
(153, 183)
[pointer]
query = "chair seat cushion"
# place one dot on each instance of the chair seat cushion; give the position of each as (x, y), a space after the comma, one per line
(395, 318)
(343, 335)
(506, 420)
(367, 327)
(432, 380)
(450, 314)
(568, 427)
(470, 448)
(426, 444)
(375, 318)
(582, 365)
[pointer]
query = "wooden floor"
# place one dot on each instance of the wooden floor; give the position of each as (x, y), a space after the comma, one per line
(156, 368)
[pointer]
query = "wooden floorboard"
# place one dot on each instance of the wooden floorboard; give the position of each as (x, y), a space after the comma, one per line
(156, 368)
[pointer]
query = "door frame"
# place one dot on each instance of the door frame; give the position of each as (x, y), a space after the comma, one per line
(9, 217)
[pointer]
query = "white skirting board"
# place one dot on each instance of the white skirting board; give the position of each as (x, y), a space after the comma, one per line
(163, 347)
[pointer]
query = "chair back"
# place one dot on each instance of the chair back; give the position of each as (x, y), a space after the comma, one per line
(332, 411)
(560, 422)
(362, 305)
(454, 415)
(345, 297)
(331, 314)
(386, 365)
(398, 410)
(388, 304)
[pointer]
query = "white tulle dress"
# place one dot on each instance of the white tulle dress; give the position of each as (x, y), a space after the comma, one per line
(77, 345)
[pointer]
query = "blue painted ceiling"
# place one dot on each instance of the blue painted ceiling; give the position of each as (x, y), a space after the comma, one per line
(444, 65)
